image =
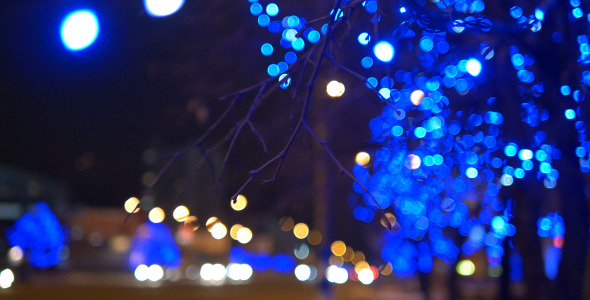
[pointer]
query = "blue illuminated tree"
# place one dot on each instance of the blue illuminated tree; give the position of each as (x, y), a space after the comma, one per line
(482, 107)
(39, 235)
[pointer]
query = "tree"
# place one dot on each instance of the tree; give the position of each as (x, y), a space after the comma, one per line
(469, 130)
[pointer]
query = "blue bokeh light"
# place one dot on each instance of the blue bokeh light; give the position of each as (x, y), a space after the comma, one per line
(79, 29)
(473, 67)
(162, 8)
(384, 51)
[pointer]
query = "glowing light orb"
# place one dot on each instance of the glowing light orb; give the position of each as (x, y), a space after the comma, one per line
(338, 248)
(233, 231)
(6, 278)
(141, 273)
(156, 215)
(301, 230)
(162, 8)
(240, 203)
(211, 272)
(210, 222)
(79, 29)
(362, 158)
(303, 272)
(131, 205)
(15, 254)
(384, 51)
(473, 67)
(244, 235)
(192, 223)
(465, 268)
(180, 213)
(335, 89)
(239, 271)
(336, 274)
(416, 97)
(218, 231)
(413, 162)
(155, 273)
(366, 276)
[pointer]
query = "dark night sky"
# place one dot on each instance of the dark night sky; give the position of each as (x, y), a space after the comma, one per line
(58, 105)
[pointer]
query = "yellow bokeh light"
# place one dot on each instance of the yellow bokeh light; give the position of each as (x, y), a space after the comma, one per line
(338, 248)
(239, 204)
(359, 266)
(335, 89)
(210, 222)
(349, 254)
(358, 257)
(132, 205)
(244, 235)
(465, 267)
(388, 220)
(233, 231)
(180, 213)
(218, 231)
(335, 260)
(416, 97)
(192, 223)
(362, 158)
(314, 237)
(156, 215)
(286, 223)
(301, 230)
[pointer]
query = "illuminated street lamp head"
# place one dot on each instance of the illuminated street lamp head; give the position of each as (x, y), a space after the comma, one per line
(79, 29)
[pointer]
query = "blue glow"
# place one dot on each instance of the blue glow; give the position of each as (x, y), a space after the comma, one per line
(364, 38)
(397, 130)
(385, 93)
(510, 150)
(577, 12)
(471, 172)
(525, 154)
(256, 9)
(580, 152)
(282, 263)
(313, 36)
(570, 114)
(273, 70)
(473, 67)
(154, 244)
(366, 62)
(39, 234)
(272, 9)
(426, 44)
(516, 12)
(79, 30)
(371, 6)
(384, 51)
(565, 90)
(266, 49)
(263, 20)
(402, 10)
(290, 57)
(539, 14)
(298, 44)
(162, 8)
(420, 132)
